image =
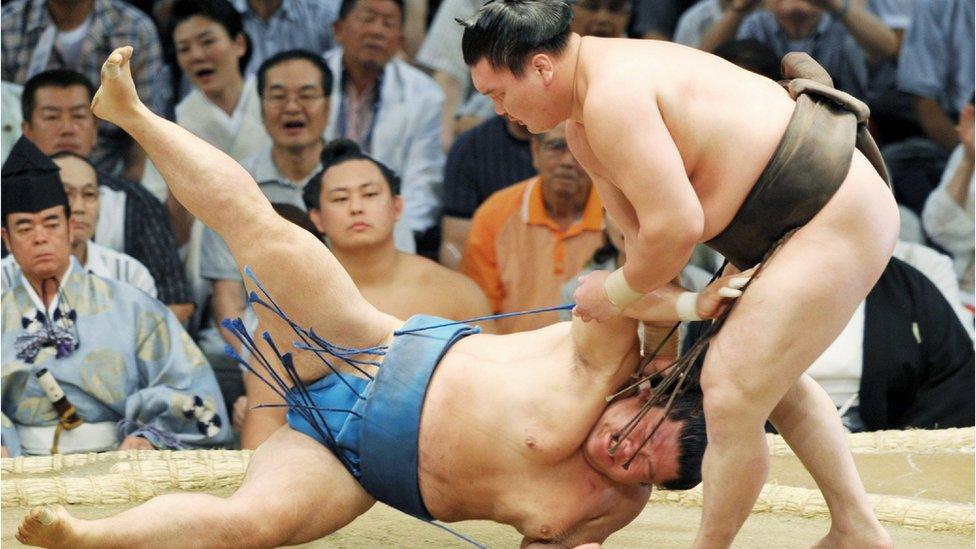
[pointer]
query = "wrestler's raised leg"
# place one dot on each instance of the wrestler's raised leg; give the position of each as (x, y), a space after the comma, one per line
(807, 420)
(295, 491)
(303, 276)
(793, 310)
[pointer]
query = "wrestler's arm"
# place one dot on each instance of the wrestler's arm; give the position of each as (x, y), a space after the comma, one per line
(635, 148)
(661, 304)
(304, 278)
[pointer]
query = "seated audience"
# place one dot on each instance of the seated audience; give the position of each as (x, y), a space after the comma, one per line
(482, 161)
(354, 202)
(391, 109)
(274, 26)
(57, 115)
(222, 108)
(81, 185)
(949, 211)
(527, 240)
(89, 363)
(39, 35)
(841, 38)
(606, 18)
(697, 20)
(294, 109)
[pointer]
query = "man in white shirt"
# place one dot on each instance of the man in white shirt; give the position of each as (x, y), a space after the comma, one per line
(81, 185)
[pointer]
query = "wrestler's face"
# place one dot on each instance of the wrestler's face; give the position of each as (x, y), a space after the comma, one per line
(294, 105)
(606, 18)
(207, 54)
(81, 186)
(356, 207)
(528, 100)
(40, 242)
(62, 121)
(655, 463)
(564, 181)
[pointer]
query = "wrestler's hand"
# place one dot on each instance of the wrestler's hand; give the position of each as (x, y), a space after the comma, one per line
(116, 98)
(965, 131)
(719, 294)
(136, 443)
(591, 298)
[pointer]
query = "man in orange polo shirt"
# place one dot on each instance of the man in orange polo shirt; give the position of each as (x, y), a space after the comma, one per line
(529, 239)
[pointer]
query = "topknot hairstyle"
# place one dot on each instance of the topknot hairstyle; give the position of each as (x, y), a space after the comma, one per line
(336, 152)
(507, 32)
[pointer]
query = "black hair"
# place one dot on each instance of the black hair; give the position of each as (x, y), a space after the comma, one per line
(692, 440)
(54, 78)
(751, 55)
(221, 12)
(506, 32)
(292, 55)
(348, 5)
(336, 152)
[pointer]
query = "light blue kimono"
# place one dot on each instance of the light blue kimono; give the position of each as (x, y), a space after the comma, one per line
(134, 365)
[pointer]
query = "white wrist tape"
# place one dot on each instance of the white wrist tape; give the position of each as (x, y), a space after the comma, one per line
(687, 306)
(620, 294)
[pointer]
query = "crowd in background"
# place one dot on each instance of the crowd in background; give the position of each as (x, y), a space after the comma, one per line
(359, 122)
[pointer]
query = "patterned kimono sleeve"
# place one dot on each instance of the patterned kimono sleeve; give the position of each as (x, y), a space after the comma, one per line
(8, 437)
(179, 404)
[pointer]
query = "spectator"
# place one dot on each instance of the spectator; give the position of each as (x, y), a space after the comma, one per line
(391, 110)
(354, 202)
(936, 69)
(527, 240)
(482, 161)
(294, 109)
(81, 185)
(697, 20)
(936, 65)
(949, 210)
(842, 40)
(56, 107)
(45, 34)
(120, 358)
(904, 360)
(274, 26)
(441, 53)
(223, 108)
(606, 18)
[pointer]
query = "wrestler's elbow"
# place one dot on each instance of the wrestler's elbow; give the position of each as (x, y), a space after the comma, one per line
(677, 232)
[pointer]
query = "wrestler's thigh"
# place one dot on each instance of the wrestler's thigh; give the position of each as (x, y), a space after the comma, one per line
(804, 296)
(299, 489)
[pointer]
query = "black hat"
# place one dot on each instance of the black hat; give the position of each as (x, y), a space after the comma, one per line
(30, 181)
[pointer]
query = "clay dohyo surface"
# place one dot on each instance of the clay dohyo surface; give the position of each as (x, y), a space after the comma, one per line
(935, 477)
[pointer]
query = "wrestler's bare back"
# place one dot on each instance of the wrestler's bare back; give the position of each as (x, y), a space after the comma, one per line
(724, 121)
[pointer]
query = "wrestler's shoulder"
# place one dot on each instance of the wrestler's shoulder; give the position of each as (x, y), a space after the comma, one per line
(439, 278)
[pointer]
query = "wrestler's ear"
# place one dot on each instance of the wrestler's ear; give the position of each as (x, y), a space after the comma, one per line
(542, 65)
(315, 215)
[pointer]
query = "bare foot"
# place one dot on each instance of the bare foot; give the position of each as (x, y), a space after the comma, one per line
(861, 538)
(48, 526)
(116, 98)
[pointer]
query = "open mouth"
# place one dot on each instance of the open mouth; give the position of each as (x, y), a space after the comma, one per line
(294, 125)
(203, 74)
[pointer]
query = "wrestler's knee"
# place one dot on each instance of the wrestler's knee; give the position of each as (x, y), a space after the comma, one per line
(732, 404)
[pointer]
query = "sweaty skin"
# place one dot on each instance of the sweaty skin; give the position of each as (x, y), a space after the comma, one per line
(505, 422)
(673, 140)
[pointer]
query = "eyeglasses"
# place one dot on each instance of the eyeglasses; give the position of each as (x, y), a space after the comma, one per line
(613, 6)
(304, 99)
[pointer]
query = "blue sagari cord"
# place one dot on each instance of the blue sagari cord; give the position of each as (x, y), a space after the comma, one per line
(299, 400)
